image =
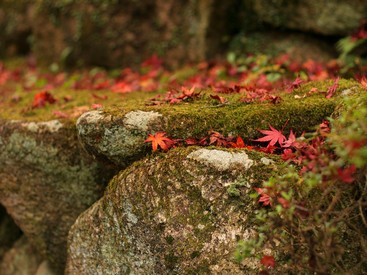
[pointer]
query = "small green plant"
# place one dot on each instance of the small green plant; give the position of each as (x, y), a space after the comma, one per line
(349, 45)
(313, 218)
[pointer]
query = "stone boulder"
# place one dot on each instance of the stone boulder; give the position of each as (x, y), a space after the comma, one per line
(325, 17)
(181, 212)
(115, 33)
(15, 29)
(46, 181)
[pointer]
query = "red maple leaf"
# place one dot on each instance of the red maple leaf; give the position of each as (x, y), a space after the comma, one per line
(264, 198)
(273, 136)
(122, 87)
(332, 89)
(346, 174)
(40, 99)
(290, 141)
(240, 144)
(188, 94)
(219, 98)
(160, 140)
(284, 203)
(268, 261)
(295, 84)
(363, 81)
(218, 139)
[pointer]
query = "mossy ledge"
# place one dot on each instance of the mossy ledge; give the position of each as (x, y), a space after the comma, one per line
(110, 135)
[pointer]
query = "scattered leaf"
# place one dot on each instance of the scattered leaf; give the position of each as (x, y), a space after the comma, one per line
(268, 261)
(273, 136)
(160, 140)
(40, 99)
(332, 89)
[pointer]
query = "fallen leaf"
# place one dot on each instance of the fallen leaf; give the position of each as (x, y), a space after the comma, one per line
(60, 114)
(40, 99)
(268, 261)
(264, 198)
(346, 174)
(332, 89)
(219, 98)
(295, 84)
(273, 136)
(240, 144)
(160, 140)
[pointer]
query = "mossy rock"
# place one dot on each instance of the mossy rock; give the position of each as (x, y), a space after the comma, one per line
(46, 181)
(326, 17)
(118, 134)
(173, 213)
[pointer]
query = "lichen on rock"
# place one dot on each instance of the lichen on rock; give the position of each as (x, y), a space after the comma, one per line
(119, 139)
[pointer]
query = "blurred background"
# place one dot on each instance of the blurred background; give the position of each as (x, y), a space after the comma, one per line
(116, 33)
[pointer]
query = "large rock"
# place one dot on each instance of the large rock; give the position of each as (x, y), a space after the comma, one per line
(326, 17)
(115, 33)
(182, 213)
(46, 181)
(15, 29)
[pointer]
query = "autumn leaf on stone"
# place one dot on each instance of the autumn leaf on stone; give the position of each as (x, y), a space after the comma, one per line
(268, 261)
(240, 144)
(295, 84)
(221, 99)
(264, 198)
(332, 89)
(290, 141)
(160, 140)
(188, 94)
(40, 99)
(273, 136)
(122, 87)
(217, 139)
(363, 82)
(346, 174)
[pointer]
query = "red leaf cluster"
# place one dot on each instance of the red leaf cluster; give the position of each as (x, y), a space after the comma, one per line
(40, 99)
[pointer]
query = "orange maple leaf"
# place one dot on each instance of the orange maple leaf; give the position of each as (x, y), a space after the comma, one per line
(159, 139)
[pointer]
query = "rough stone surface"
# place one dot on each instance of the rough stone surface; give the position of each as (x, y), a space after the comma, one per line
(9, 231)
(46, 181)
(115, 33)
(171, 214)
(21, 259)
(221, 160)
(327, 17)
(14, 27)
(121, 140)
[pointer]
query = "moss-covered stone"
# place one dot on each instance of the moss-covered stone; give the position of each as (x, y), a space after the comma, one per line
(108, 133)
(46, 181)
(171, 213)
(114, 33)
(328, 17)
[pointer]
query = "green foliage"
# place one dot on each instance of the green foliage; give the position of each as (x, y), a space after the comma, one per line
(317, 221)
